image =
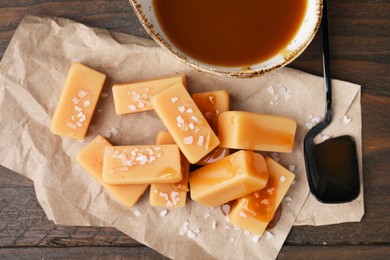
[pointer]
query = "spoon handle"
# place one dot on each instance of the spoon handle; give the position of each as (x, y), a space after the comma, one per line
(326, 62)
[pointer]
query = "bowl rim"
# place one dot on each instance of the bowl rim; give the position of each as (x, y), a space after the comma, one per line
(243, 73)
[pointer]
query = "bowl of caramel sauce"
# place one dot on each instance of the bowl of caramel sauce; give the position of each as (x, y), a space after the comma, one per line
(232, 38)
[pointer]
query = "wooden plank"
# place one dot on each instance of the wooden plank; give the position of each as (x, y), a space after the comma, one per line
(335, 252)
(82, 253)
(23, 222)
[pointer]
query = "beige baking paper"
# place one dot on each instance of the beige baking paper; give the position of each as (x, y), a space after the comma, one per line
(32, 72)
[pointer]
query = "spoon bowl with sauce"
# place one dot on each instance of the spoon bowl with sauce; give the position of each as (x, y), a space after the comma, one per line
(231, 38)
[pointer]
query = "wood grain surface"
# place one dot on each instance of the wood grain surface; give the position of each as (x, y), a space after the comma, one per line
(360, 47)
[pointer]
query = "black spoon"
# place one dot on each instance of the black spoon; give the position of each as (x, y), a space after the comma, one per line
(332, 166)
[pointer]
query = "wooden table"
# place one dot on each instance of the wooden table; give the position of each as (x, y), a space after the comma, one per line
(360, 40)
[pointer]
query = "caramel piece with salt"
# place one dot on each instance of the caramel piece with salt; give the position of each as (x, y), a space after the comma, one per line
(91, 159)
(211, 104)
(184, 122)
(77, 102)
(144, 164)
(233, 177)
(255, 211)
(175, 194)
(135, 97)
(252, 131)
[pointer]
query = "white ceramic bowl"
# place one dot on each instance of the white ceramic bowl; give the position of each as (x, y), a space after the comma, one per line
(145, 12)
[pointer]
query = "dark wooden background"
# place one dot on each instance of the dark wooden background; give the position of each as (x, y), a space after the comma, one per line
(360, 40)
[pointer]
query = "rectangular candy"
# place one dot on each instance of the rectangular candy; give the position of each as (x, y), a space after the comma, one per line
(91, 159)
(211, 104)
(255, 211)
(184, 122)
(77, 102)
(231, 178)
(143, 164)
(135, 97)
(175, 194)
(251, 131)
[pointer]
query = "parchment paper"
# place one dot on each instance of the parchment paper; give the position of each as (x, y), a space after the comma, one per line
(32, 73)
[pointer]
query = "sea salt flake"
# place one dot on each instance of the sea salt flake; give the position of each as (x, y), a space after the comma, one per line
(163, 213)
(132, 107)
(283, 178)
(214, 224)
(265, 201)
(191, 126)
(268, 235)
(137, 213)
(255, 238)
(308, 125)
(114, 131)
(188, 140)
(181, 109)
(174, 99)
(315, 120)
(82, 93)
(191, 234)
(78, 109)
(291, 168)
(195, 119)
(141, 105)
(242, 214)
(183, 230)
(71, 125)
(75, 100)
(346, 119)
(87, 103)
(206, 215)
(271, 90)
(189, 110)
(288, 199)
(231, 239)
(200, 140)
(79, 124)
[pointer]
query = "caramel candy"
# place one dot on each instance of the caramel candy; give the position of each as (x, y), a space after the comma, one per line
(135, 97)
(77, 102)
(245, 130)
(211, 104)
(184, 122)
(233, 177)
(255, 211)
(142, 164)
(91, 159)
(175, 194)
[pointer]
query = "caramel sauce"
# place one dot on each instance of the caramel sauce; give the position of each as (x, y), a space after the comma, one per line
(261, 204)
(215, 155)
(229, 32)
